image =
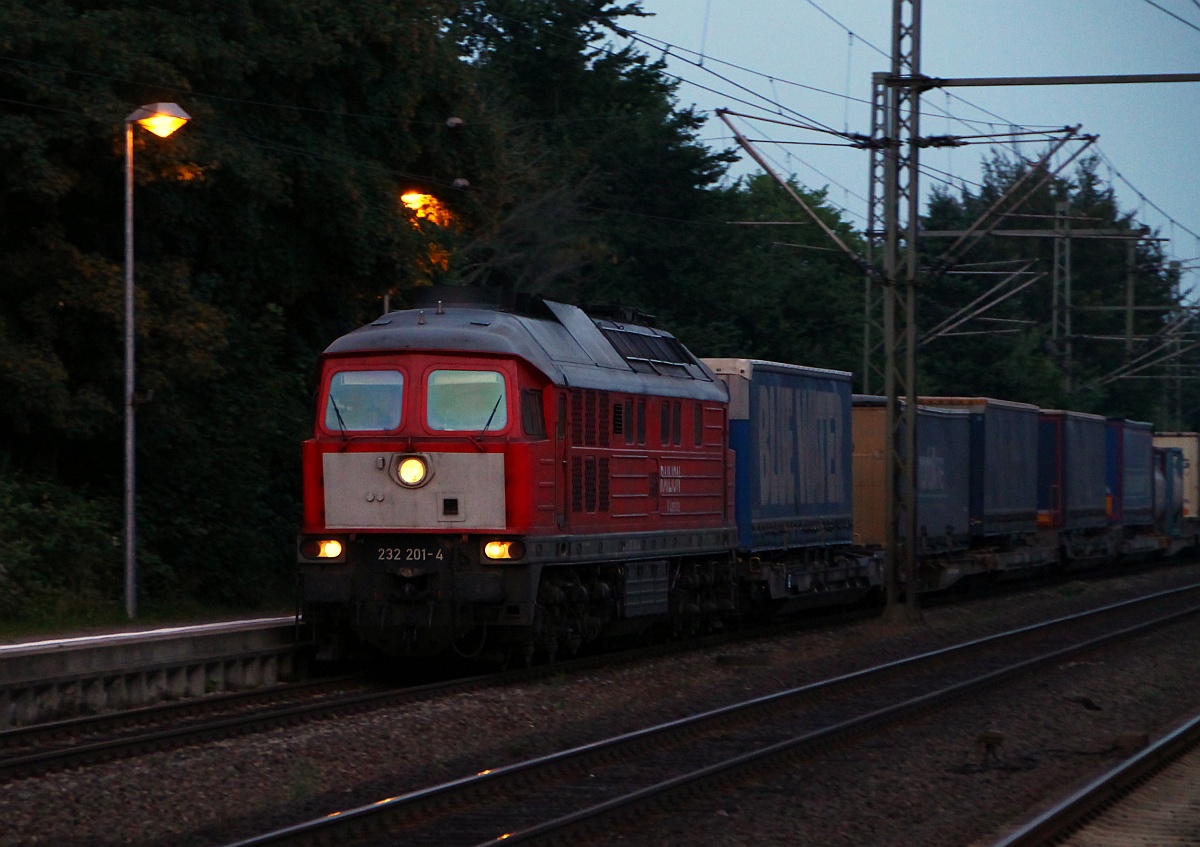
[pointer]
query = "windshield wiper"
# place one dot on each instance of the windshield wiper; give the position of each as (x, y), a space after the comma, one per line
(340, 420)
(492, 415)
(482, 432)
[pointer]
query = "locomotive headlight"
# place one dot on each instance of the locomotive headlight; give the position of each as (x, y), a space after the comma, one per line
(412, 471)
(321, 548)
(504, 549)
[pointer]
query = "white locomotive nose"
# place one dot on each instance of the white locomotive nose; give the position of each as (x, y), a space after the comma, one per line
(422, 491)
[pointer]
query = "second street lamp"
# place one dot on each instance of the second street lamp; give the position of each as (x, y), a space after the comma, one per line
(162, 119)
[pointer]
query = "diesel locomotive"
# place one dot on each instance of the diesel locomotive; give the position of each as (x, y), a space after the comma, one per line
(512, 479)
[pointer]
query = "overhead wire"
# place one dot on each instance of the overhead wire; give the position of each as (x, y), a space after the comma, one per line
(1113, 169)
(878, 50)
(820, 127)
(659, 43)
(942, 112)
(1166, 11)
(822, 174)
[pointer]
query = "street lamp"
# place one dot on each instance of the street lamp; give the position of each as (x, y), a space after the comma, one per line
(162, 119)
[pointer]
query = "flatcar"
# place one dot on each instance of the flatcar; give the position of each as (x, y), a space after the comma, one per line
(504, 478)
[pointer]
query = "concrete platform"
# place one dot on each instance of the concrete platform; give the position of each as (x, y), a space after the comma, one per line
(56, 678)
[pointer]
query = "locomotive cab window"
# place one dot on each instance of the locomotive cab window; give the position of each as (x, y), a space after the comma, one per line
(364, 401)
(466, 401)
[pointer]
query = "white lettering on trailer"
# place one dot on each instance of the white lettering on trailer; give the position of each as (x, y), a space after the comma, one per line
(799, 446)
(931, 471)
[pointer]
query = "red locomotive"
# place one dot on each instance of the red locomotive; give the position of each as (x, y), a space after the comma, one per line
(504, 481)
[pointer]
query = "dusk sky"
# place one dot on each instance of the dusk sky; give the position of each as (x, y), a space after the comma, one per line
(800, 53)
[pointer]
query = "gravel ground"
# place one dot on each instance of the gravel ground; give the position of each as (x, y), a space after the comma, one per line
(927, 784)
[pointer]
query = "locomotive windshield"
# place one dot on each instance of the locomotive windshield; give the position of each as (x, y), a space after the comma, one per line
(362, 401)
(466, 401)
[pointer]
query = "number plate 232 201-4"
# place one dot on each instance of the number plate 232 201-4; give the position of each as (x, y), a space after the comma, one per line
(411, 555)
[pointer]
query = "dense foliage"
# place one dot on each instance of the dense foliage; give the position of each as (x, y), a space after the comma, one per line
(273, 223)
(1011, 351)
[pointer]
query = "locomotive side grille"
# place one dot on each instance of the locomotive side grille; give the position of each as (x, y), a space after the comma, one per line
(576, 484)
(576, 417)
(604, 482)
(618, 421)
(589, 431)
(589, 484)
(603, 423)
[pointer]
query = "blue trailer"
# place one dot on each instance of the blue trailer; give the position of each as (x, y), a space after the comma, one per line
(1128, 472)
(943, 476)
(1003, 474)
(1071, 475)
(789, 428)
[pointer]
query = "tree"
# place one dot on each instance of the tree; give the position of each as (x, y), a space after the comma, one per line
(266, 228)
(1025, 362)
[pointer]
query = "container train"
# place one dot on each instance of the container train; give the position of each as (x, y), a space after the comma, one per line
(509, 479)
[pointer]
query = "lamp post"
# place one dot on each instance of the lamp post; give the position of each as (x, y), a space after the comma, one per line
(162, 119)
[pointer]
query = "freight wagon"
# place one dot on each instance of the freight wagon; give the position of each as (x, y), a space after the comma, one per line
(789, 432)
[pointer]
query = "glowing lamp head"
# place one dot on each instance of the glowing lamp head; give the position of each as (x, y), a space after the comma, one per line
(498, 550)
(162, 119)
(412, 471)
(321, 548)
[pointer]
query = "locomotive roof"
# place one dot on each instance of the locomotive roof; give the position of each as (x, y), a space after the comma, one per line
(569, 347)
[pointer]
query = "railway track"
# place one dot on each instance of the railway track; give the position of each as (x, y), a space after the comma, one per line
(42, 748)
(1151, 798)
(585, 788)
(48, 747)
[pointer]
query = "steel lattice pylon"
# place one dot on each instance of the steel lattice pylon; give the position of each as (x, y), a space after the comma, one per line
(872, 367)
(900, 262)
